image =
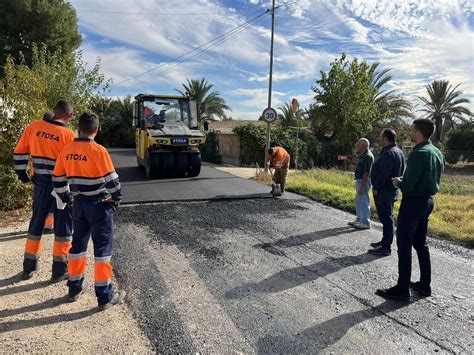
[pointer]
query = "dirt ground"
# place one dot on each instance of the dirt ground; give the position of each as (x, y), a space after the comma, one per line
(245, 173)
(34, 316)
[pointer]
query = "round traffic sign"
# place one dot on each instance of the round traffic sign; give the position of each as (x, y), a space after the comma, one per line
(294, 104)
(269, 115)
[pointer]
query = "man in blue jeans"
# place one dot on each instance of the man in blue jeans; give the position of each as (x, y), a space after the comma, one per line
(362, 184)
(390, 164)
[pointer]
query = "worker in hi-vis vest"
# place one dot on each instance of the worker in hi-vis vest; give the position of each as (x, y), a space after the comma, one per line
(279, 158)
(85, 177)
(41, 142)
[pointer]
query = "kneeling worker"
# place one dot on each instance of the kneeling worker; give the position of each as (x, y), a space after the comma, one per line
(280, 159)
(84, 176)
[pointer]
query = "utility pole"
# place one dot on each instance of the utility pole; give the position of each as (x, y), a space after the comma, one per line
(297, 137)
(270, 82)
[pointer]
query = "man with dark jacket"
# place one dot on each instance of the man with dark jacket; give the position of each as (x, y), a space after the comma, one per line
(420, 182)
(390, 164)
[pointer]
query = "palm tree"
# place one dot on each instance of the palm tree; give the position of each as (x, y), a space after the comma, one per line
(209, 103)
(322, 128)
(390, 105)
(288, 117)
(444, 107)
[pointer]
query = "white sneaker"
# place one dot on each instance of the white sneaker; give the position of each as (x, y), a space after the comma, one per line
(352, 223)
(360, 225)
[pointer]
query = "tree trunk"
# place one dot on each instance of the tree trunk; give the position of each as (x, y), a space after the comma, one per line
(439, 128)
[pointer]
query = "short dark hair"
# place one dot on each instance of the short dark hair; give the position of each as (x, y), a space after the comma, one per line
(390, 135)
(48, 116)
(88, 123)
(270, 151)
(425, 126)
(63, 107)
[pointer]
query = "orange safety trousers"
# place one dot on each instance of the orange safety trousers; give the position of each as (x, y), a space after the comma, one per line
(43, 202)
(92, 218)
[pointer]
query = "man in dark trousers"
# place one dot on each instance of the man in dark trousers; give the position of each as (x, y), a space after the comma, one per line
(390, 164)
(41, 142)
(85, 177)
(420, 182)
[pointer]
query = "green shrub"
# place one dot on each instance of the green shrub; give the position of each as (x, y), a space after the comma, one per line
(253, 138)
(209, 150)
(14, 193)
(460, 144)
(115, 122)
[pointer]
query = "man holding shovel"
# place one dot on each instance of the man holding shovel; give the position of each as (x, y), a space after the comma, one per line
(279, 158)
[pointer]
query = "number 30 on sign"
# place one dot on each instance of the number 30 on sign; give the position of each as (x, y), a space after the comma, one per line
(269, 115)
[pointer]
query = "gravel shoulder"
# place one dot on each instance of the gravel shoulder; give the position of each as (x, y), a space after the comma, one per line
(35, 318)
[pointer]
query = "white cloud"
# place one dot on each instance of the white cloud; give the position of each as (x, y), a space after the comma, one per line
(258, 98)
(440, 58)
(300, 8)
(172, 36)
(120, 64)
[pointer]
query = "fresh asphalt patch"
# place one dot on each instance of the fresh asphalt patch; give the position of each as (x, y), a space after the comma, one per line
(279, 276)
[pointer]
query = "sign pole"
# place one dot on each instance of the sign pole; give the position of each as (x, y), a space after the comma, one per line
(295, 107)
(297, 138)
(270, 83)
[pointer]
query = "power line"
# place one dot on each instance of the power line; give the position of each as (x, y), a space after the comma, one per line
(201, 48)
(156, 14)
(173, 66)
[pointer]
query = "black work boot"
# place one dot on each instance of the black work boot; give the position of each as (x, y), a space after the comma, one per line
(380, 251)
(376, 245)
(74, 298)
(425, 291)
(55, 279)
(394, 293)
(117, 299)
(27, 275)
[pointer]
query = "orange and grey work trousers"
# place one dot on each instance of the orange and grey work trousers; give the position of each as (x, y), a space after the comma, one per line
(92, 218)
(280, 177)
(43, 202)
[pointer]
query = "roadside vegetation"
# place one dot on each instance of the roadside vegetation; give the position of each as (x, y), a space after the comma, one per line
(453, 217)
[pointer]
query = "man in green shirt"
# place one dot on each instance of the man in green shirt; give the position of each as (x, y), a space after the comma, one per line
(362, 184)
(420, 182)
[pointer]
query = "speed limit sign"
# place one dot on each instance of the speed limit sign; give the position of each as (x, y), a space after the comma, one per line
(269, 115)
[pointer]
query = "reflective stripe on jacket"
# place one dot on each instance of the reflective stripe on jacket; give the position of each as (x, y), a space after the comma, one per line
(42, 141)
(85, 170)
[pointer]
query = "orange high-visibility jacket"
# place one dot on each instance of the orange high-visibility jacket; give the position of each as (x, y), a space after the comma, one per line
(42, 141)
(281, 158)
(85, 170)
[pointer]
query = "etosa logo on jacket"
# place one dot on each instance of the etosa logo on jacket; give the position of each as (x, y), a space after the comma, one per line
(47, 135)
(76, 157)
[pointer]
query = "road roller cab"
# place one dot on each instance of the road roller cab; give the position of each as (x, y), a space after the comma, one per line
(167, 136)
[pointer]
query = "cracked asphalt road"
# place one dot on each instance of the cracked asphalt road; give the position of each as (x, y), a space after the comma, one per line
(279, 276)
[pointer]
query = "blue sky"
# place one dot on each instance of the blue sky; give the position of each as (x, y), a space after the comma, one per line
(419, 40)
